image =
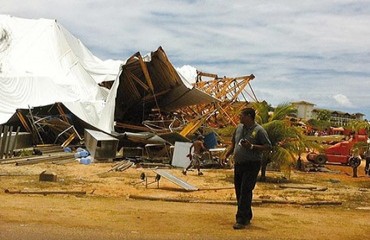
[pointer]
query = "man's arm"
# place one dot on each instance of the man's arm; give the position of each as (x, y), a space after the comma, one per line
(231, 149)
(264, 141)
(191, 147)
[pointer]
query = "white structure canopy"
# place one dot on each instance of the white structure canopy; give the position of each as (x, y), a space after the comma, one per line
(42, 63)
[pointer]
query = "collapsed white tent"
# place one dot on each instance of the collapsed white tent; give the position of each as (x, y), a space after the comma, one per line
(42, 63)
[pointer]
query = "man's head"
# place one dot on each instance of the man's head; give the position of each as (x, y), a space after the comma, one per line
(247, 116)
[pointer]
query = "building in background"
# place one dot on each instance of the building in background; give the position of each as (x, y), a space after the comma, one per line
(306, 111)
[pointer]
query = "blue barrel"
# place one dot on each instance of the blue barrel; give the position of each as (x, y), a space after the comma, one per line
(210, 140)
(85, 160)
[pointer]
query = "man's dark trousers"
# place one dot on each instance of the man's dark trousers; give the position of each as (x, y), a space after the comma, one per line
(245, 178)
(367, 166)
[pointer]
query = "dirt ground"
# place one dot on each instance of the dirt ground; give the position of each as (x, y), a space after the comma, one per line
(337, 207)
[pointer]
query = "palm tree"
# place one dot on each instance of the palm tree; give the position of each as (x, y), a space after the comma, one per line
(287, 141)
(356, 126)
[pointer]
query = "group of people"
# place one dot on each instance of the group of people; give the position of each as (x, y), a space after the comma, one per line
(249, 141)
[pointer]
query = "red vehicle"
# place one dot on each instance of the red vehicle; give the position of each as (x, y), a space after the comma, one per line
(340, 152)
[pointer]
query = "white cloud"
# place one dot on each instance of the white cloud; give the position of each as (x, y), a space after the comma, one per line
(343, 100)
(301, 50)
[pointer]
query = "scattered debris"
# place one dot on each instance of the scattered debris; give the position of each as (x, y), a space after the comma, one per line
(62, 162)
(121, 166)
(152, 165)
(185, 200)
(46, 176)
(313, 167)
(45, 192)
(300, 186)
(7, 141)
(14, 175)
(363, 189)
(144, 180)
(216, 188)
(39, 159)
(254, 201)
(100, 145)
(363, 208)
(175, 180)
(334, 180)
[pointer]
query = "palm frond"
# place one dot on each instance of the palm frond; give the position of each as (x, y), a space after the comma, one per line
(262, 112)
(282, 110)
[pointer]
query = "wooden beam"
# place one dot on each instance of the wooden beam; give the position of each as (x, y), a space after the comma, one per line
(137, 80)
(45, 192)
(62, 113)
(131, 126)
(23, 121)
(146, 73)
(3, 141)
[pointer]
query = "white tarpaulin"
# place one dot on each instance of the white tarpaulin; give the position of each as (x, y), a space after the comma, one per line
(42, 63)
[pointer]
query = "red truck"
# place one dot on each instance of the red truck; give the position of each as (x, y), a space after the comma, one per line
(340, 152)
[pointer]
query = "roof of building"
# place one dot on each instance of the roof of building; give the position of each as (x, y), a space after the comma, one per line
(338, 112)
(303, 102)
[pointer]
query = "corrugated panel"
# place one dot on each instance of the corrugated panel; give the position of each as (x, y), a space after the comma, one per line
(153, 82)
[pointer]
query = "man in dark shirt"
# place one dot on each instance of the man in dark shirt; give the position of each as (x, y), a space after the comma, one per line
(248, 143)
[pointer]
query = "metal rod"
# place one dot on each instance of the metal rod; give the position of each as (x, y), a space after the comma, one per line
(34, 127)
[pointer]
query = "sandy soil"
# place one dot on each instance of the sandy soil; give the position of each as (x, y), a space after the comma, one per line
(108, 210)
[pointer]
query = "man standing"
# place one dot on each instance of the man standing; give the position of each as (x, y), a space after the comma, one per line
(367, 164)
(195, 158)
(248, 143)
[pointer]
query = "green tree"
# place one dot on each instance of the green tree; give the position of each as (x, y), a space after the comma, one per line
(287, 141)
(324, 115)
(319, 124)
(356, 126)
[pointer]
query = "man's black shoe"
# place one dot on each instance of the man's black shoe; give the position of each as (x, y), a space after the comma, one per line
(237, 226)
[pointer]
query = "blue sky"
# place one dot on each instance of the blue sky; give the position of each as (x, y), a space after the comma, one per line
(316, 51)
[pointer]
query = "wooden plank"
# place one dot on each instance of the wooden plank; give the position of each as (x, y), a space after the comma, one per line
(40, 159)
(146, 73)
(24, 122)
(3, 141)
(7, 143)
(62, 113)
(12, 146)
(45, 192)
(175, 180)
(298, 186)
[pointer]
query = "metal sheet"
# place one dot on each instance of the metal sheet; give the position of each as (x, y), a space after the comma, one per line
(180, 153)
(100, 145)
(175, 180)
(181, 96)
